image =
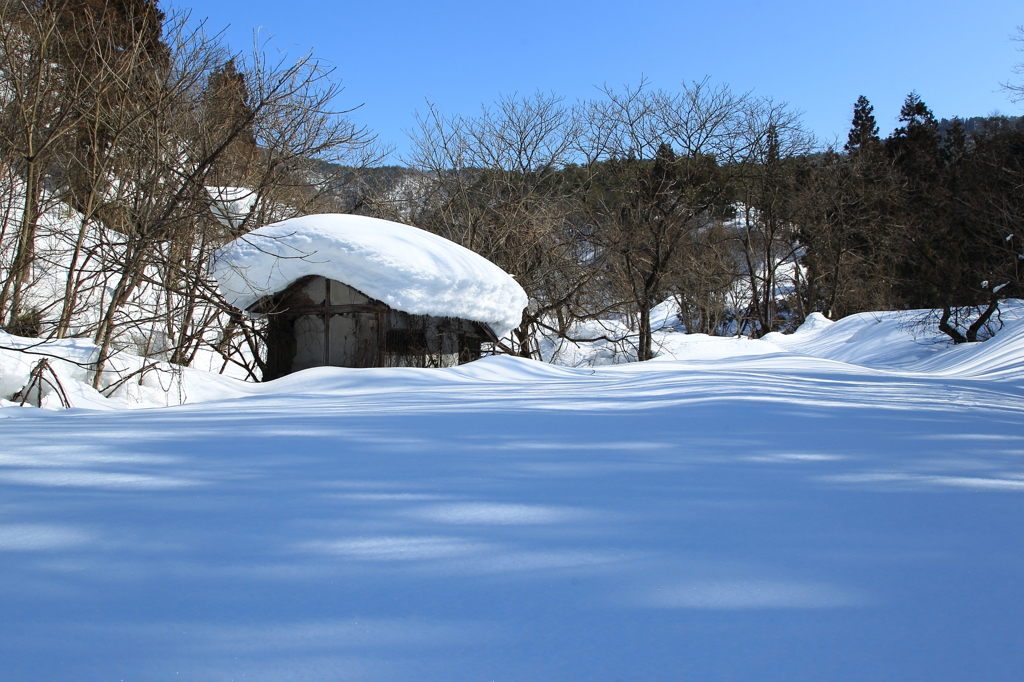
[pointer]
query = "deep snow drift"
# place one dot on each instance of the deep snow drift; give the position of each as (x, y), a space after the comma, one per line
(405, 267)
(843, 503)
(869, 341)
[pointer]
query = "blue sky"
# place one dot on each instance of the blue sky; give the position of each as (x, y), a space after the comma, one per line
(818, 56)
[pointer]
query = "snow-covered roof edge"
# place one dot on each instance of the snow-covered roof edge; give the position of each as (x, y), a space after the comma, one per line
(404, 267)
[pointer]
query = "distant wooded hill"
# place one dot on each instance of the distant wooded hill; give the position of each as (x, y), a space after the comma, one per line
(974, 124)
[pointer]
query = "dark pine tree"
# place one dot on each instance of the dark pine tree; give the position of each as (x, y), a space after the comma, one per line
(228, 120)
(100, 38)
(915, 148)
(947, 263)
(916, 145)
(863, 137)
(119, 25)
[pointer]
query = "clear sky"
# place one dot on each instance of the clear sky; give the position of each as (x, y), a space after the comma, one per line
(818, 56)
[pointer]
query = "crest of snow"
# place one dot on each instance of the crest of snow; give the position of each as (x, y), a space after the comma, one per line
(815, 322)
(407, 268)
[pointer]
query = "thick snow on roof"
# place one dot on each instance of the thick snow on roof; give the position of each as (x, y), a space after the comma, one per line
(407, 268)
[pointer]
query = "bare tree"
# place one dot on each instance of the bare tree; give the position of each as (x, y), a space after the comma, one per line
(43, 88)
(772, 141)
(288, 113)
(652, 203)
(497, 184)
(142, 146)
(705, 284)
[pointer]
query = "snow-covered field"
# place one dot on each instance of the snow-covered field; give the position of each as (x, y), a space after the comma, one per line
(845, 503)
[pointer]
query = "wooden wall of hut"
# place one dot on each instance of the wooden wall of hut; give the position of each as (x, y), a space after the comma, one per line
(320, 322)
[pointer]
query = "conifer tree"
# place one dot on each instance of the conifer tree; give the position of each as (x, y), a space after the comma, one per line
(228, 118)
(863, 137)
(916, 146)
(919, 129)
(118, 45)
(122, 24)
(939, 266)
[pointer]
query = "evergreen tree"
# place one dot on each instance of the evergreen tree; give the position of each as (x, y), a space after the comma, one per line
(119, 24)
(915, 112)
(227, 95)
(948, 262)
(863, 137)
(919, 137)
(228, 119)
(117, 50)
(915, 148)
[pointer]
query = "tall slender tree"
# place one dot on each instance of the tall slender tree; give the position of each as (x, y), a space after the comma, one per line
(863, 138)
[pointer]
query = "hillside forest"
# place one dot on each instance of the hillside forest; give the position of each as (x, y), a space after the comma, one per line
(134, 144)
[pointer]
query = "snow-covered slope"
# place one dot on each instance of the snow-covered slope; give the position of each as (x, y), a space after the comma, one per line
(407, 268)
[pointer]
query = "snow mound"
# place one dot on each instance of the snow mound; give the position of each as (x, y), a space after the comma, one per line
(880, 340)
(885, 344)
(898, 340)
(407, 268)
(815, 323)
(1000, 357)
(129, 381)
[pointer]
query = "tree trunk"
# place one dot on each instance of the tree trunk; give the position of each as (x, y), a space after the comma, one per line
(949, 330)
(70, 288)
(972, 331)
(522, 334)
(643, 351)
(22, 265)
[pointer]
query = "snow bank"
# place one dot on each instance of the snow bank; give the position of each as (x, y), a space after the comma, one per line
(407, 268)
(896, 340)
(129, 381)
(881, 343)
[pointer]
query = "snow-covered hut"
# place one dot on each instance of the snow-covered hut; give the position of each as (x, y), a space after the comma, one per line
(351, 291)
